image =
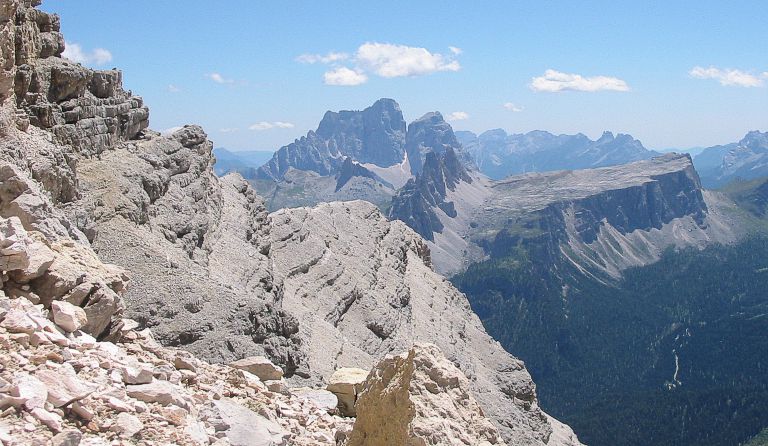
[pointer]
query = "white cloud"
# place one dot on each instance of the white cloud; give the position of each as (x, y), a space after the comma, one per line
(219, 79)
(458, 116)
(344, 76)
(728, 77)
(173, 89)
(455, 50)
(556, 81)
(75, 53)
(320, 58)
(513, 107)
(264, 125)
(228, 130)
(388, 60)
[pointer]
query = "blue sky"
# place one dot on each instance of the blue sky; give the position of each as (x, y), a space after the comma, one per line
(671, 73)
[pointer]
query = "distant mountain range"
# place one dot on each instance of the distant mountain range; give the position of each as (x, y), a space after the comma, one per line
(498, 154)
(246, 163)
(372, 153)
(745, 160)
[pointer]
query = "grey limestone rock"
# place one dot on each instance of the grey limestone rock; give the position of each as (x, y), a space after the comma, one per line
(375, 135)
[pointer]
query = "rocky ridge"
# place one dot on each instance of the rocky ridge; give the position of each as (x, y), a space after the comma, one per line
(213, 273)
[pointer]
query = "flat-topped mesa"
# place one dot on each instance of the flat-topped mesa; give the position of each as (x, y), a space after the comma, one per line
(86, 109)
(375, 135)
(607, 219)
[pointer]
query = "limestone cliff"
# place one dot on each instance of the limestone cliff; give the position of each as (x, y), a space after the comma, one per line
(603, 220)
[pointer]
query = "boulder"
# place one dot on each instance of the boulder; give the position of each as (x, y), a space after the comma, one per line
(247, 428)
(322, 399)
(420, 397)
(69, 437)
(31, 390)
(64, 387)
(138, 374)
(158, 391)
(259, 366)
(127, 425)
(67, 316)
(347, 383)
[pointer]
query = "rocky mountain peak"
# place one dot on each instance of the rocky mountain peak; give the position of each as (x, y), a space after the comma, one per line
(374, 135)
(415, 203)
(430, 133)
(607, 136)
(755, 140)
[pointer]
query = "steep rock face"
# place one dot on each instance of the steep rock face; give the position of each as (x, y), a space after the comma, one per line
(83, 108)
(362, 287)
(195, 245)
(351, 169)
(745, 160)
(430, 133)
(375, 135)
(419, 397)
(498, 154)
(414, 204)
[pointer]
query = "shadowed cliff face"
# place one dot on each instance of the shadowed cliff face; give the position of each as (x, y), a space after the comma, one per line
(415, 203)
(430, 133)
(375, 135)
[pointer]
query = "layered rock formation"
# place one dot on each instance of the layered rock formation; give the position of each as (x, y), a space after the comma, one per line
(210, 270)
(602, 220)
(499, 155)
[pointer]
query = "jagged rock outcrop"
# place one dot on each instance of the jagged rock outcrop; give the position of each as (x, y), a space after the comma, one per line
(351, 169)
(416, 202)
(499, 155)
(745, 160)
(430, 133)
(375, 135)
(420, 398)
(41, 262)
(82, 108)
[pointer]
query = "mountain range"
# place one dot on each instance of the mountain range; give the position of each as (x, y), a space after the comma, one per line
(743, 160)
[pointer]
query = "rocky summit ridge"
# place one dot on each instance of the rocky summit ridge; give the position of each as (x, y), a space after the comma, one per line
(110, 229)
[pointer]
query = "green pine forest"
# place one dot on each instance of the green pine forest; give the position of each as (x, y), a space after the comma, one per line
(605, 355)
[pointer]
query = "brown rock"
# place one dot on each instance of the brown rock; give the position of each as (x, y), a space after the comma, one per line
(347, 383)
(259, 366)
(419, 397)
